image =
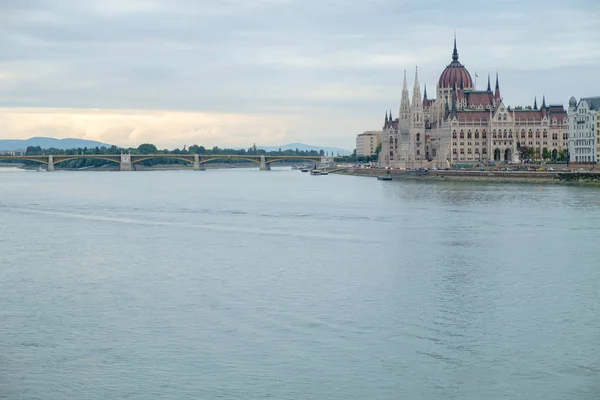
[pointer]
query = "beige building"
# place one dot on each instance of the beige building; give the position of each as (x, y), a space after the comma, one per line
(367, 142)
(463, 125)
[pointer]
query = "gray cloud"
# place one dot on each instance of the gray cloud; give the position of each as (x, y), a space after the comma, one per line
(293, 57)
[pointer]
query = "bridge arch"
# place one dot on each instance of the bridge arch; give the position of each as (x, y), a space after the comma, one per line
(37, 159)
(316, 159)
(188, 159)
(215, 158)
(85, 157)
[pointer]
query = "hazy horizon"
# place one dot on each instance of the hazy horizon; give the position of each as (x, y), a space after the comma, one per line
(270, 72)
(268, 147)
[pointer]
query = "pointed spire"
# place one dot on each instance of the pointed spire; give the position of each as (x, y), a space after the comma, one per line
(544, 101)
(497, 91)
(386, 118)
(391, 118)
(417, 101)
(535, 103)
(489, 88)
(404, 112)
(455, 52)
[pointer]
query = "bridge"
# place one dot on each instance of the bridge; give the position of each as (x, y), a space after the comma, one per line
(126, 161)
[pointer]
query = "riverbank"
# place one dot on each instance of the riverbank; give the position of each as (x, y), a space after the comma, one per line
(535, 177)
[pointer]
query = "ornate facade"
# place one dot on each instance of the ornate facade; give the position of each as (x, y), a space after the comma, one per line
(463, 125)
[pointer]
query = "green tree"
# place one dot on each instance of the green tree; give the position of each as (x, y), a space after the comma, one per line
(546, 154)
(147, 148)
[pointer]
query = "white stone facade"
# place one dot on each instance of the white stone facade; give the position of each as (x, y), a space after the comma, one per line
(584, 130)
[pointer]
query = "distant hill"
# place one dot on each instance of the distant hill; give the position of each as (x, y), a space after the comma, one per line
(306, 147)
(46, 143)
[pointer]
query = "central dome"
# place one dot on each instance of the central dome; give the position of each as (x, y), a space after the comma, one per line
(455, 73)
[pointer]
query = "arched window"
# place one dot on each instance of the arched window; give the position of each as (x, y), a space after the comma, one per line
(484, 134)
(453, 134)
(418, 137)
(469, 134)
(462, 134)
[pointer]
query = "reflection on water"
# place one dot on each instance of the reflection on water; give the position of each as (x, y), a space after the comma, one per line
(247, 284)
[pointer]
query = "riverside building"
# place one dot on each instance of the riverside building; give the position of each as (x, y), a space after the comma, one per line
(462, 125)
(584, 130)
(367, 142)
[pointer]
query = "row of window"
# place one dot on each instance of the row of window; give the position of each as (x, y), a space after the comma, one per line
(507, 134)
(469, 151)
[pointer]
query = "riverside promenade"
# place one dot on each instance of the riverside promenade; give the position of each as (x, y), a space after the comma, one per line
(537, 177)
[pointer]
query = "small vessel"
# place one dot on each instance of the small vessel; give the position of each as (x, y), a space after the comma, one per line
(304, 169)
(315, 172)
(324, 173)
(384, 178)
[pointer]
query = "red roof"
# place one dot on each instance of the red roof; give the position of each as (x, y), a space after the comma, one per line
(473, 116)
(475, 99)
(455, 73)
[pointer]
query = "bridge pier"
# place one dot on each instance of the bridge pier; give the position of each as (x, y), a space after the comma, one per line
(197, 166)
(50, 166)
(125, 164)
(263, 164)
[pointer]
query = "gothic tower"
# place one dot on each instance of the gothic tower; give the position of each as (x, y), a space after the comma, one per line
(404, 115)
(417, 126)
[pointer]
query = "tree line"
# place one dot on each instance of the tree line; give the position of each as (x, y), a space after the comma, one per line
(533, 154)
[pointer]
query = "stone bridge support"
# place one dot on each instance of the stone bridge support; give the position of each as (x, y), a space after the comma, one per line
(126, 162)
(197, 165)
(263, 164)
(50, 166)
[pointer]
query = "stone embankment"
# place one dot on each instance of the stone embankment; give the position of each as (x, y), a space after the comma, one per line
(537, 177)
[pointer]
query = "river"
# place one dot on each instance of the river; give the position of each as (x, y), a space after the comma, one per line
(241, 284)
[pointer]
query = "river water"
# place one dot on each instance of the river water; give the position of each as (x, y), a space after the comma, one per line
(241, 284)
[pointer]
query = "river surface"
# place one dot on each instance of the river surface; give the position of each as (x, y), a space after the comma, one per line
(241, 284)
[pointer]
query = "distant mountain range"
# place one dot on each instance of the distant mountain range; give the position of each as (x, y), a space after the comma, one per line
(46, 143)
(306, 147)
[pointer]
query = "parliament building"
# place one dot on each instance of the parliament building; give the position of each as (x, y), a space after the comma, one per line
(463, 125)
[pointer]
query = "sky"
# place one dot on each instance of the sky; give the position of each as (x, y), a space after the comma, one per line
(232, 73)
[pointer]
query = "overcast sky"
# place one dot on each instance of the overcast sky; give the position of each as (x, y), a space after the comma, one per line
(234, 72)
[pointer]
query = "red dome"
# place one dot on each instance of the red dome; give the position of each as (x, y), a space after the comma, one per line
(455, 73)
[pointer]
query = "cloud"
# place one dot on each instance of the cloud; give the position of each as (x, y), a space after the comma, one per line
(131, 127)
(285, 67)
